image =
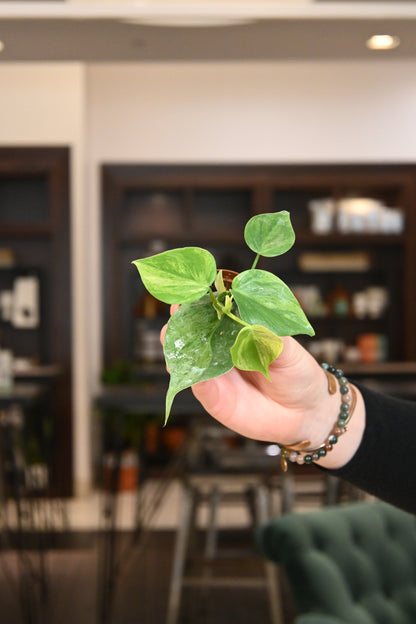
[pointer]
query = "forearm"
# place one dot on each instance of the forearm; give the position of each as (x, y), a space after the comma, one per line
(383, 463)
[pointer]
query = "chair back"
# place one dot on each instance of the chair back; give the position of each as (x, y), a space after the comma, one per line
(352, 563)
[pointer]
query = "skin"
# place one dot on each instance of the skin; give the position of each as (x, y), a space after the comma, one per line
(294, 406)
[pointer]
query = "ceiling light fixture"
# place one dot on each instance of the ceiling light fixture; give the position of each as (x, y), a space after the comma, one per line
(383, 42)
(186, 21)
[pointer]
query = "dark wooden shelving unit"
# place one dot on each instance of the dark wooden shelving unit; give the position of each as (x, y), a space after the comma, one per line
(147, 207)
(208, 205)
(35, 226)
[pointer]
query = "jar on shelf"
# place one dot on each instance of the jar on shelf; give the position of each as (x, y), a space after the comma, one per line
(339, 301)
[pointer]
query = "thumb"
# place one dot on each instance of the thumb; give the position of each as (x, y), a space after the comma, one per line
(208, 394)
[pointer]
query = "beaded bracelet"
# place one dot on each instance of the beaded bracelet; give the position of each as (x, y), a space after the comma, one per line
(299, 453)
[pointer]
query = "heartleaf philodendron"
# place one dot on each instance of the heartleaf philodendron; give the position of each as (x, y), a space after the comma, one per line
(218, 326)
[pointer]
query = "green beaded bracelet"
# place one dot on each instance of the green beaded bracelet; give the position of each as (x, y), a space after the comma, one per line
(299, 453)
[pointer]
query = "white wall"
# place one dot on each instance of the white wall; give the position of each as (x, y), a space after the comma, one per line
(252, 112)
(199, 112)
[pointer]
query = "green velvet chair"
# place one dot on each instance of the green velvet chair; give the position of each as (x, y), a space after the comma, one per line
(349, 564)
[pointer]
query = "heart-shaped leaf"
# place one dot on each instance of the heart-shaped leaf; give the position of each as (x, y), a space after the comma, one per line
(178, 275)
(255, 349)
(270, 234)
(263, 299)
(197, 346)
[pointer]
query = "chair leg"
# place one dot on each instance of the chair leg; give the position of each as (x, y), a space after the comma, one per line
(180, 552)
(332, 490)
(287, 492)
(263, 506)
(211, 539)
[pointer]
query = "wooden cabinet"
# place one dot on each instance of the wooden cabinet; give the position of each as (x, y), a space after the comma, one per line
(35, 246)
(148, 208)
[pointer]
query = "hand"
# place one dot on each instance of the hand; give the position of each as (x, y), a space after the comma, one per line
(294, 406)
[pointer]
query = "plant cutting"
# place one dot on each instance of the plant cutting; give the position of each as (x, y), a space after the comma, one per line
(222, 322)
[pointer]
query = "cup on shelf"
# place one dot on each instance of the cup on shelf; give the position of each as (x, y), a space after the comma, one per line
(322, 213)
(331, 349)
(377, 300)
(370, 303)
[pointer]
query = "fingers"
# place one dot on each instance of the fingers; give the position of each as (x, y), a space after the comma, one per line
(173, 309)
(162, 333)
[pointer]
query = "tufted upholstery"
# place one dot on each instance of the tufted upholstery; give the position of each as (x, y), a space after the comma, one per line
(349, 564)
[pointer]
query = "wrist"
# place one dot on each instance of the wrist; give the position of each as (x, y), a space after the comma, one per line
(348, 444)
(336, 411)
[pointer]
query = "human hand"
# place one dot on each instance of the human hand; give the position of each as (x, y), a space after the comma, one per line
(293, 406)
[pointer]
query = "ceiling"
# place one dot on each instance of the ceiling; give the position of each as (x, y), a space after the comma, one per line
(84, 30)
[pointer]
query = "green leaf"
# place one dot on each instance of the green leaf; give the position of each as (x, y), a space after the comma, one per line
(219, 283)
(270, 234)
(178, 275)
(197, 346)
(263, 299)
(255, 349)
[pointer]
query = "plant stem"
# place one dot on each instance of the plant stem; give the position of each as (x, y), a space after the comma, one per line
(220, 308)
(238, 320)
(213, 297)
(256, 259)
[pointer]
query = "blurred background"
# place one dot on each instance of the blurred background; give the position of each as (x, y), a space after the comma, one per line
(130, 128)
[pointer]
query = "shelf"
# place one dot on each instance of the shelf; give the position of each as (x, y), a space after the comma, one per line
(25, 231)
(337, 239)
(380, 368)
(183, 239)
(35, 228)
(40, 372)
(335, 320)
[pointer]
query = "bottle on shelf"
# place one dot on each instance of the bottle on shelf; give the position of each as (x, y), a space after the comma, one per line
(339, 301)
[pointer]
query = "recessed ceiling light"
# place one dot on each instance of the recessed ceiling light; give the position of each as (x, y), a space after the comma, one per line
(383, 42)
(2, 46)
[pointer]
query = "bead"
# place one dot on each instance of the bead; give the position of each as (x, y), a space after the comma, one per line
(348, 400)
